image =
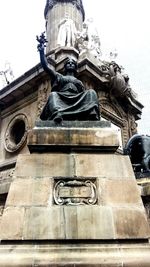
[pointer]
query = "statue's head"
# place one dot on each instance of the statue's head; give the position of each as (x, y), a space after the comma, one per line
(115, 66)
(70, 65)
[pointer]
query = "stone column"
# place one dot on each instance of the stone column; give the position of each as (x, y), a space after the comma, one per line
(54, 17)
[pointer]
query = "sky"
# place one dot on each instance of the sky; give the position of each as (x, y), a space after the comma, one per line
(122, 25)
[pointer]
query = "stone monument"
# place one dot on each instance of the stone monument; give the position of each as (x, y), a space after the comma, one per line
(73, 199)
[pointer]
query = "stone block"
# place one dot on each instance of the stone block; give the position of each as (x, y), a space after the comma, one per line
(72, 124)
(135, 255)
(130, 223)
(93, 223)
(117, 214)
(30, 192)
(47, 139)
(12, 223)
(69, 223)
(119, 192)
(44, 223)
(109, 166)
(45, 165)
(72, 254)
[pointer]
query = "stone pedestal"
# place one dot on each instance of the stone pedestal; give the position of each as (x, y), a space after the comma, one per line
(74, 202)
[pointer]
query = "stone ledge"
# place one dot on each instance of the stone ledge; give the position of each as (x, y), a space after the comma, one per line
(75, 254)
(73, 124)
(73, 136)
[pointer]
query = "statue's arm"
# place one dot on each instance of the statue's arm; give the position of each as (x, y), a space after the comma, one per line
(41, 45)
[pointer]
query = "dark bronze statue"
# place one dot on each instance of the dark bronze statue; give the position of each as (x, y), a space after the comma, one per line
(119, 82)
(68, 99)
(138, 148)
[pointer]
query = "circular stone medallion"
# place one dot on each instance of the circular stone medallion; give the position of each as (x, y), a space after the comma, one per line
(16, 133)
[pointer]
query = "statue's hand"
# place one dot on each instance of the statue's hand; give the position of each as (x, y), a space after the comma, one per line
(41, 42)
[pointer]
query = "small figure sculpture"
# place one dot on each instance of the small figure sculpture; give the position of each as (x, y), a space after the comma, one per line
(119, 82)
(68, 99)
(82, 39)
(66, 33)
(94, 40)
(88, 41)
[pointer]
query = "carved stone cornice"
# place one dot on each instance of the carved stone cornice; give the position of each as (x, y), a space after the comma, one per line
(112, 117)
(112, 113)
(51, 3)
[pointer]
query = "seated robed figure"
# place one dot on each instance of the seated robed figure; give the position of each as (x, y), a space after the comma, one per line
(68, 100)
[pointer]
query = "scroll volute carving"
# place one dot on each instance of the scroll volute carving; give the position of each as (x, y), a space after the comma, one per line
(43, 92)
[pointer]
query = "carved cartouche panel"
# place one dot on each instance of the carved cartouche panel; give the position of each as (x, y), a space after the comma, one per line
(75, 192)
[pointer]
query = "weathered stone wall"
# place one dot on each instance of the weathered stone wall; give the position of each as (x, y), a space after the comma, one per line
(16, 121)
(23, 111)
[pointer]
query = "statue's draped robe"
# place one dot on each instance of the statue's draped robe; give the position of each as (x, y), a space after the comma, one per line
(69, 99)
(66, 34)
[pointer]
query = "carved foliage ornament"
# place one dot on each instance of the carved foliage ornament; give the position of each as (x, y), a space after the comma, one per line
(78, 3)
(43, 91)
(75, 192)
(16, 133)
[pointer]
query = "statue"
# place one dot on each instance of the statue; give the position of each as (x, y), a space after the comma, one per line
(66, 33)
(68, 99)
(119, 81)
(88, 41)
(82, 39)
(138, 148)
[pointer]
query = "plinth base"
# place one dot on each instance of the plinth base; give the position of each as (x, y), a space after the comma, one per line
(70, 136)
(75, 254)
(69, 208)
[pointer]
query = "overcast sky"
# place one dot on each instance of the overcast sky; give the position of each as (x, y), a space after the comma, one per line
(122, 24)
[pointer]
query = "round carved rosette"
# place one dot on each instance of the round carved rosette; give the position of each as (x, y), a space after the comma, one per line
(16, 133)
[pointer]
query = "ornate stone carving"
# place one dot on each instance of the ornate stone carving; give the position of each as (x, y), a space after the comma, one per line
(6, 174)
(88, 41)
(119, 82)
(112, 113)
(43, 91)
(132, 126)
(16, 133)
(75, 192)
(116, 115)
(82, 39)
